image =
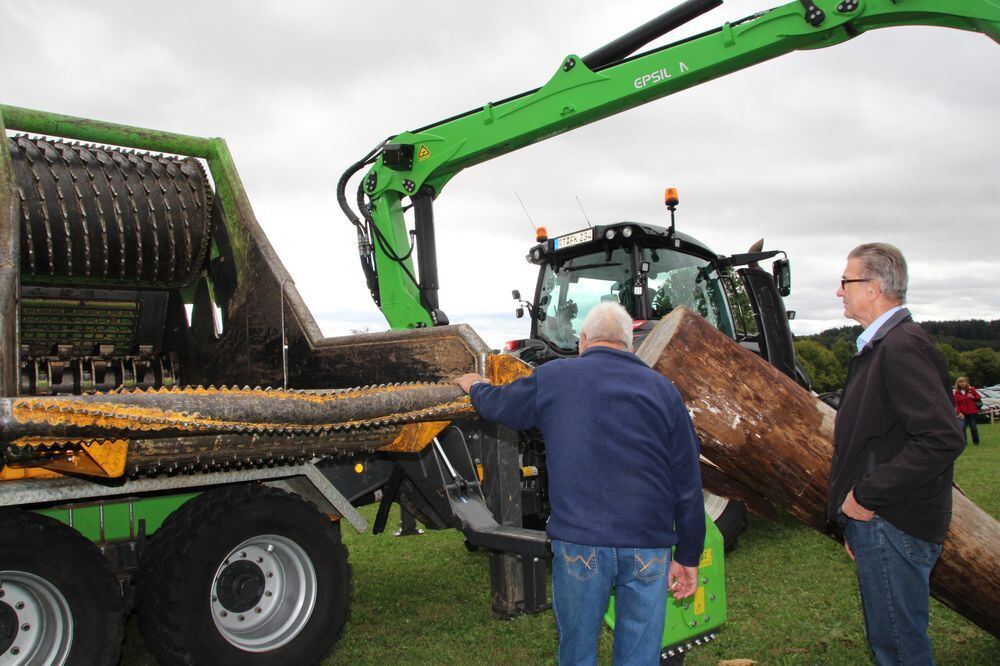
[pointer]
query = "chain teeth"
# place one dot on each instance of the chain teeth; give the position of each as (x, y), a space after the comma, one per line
(88, 413)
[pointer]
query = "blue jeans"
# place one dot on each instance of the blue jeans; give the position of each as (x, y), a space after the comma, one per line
(970, 423)
(894, 571)
(582, 578)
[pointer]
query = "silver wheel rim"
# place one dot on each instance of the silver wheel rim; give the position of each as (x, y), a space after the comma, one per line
(714, 505)
(286, 601)
(44, 620)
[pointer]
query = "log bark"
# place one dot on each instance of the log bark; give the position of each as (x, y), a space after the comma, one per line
(769, 435)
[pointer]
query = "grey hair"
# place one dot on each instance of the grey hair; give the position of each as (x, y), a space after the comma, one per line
(608, 322)
(885, 264)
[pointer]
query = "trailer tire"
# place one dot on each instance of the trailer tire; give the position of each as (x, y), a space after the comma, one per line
(244, 574)
(57, 584)
(729, 515)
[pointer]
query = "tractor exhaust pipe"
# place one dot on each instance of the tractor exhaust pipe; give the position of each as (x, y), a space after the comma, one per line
(632, 41)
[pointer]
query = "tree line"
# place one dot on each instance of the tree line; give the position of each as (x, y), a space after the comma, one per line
(971, 348)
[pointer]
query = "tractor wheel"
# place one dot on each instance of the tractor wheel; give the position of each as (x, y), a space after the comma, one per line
(730, 516)
(244, 574)
(59, 601)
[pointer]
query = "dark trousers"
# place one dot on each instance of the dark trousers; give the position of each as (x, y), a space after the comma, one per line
(970, 423)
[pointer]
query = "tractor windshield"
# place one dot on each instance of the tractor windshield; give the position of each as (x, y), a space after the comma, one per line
(683, 279)
(570, 288)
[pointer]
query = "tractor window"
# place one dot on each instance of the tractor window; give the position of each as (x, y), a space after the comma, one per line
(572, 288)
(677, 279)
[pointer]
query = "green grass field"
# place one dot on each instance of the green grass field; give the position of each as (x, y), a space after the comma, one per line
(793, 599)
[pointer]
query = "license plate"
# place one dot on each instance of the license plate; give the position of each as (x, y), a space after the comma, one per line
(569, 240)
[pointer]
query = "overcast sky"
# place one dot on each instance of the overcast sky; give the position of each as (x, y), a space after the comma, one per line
(892, 136)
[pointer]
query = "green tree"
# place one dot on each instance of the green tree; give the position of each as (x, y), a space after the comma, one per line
(822, 365)
(954, 359)
(981, 366)
(844, 351)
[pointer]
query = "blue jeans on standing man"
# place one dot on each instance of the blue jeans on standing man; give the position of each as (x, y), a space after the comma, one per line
(582, 578)
(894, 571)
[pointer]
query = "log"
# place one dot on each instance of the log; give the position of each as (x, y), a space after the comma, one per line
(769, 435)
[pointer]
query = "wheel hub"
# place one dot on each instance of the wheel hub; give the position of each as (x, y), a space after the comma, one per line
(263, 593)
(36, 622)
(8, 626)
(240, 586)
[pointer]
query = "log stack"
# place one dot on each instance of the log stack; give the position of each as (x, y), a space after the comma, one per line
(769, 442)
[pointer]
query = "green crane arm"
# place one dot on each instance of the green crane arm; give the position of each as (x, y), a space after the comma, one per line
(420, 163)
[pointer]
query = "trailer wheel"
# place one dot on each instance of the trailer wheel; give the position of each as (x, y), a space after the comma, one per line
(244, 574)
(730, 516)
(59, 601)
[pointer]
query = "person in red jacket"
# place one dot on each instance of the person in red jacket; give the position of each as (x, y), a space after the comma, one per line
(966, 396)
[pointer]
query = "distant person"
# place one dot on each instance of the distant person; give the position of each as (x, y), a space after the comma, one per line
(624, 486)
(966, 406)
(896, 439)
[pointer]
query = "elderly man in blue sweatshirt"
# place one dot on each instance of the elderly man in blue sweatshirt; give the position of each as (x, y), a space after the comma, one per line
(624, 486)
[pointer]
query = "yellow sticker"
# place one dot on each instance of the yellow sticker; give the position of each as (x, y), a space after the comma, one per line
(699, 601)
(706, 558)
(423, 154)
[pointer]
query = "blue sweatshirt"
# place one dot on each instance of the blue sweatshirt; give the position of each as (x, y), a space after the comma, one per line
(621, 452)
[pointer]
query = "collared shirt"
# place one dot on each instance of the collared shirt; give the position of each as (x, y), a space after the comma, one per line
(869, 333)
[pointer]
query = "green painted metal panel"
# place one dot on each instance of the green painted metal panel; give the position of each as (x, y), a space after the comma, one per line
(705, 612)
(118, 520)
(97, 131)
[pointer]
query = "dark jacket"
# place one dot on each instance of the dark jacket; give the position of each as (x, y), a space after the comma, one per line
(620, 450)
(896, 432)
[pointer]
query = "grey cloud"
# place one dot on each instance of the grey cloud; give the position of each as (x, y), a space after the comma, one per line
(890, 136)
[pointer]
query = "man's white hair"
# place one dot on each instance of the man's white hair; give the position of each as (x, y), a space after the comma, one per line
(608, 322)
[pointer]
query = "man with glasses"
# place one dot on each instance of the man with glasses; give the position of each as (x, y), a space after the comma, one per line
(896, 441)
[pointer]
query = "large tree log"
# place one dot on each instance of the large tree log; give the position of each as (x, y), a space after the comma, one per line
(766, 433)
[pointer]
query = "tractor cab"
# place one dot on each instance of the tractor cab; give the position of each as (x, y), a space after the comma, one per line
(651, 270)
(643, 268)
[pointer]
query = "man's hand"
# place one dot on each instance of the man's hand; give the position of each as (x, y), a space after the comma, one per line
(466, 381)
(683, 581)
(852, 509)
(847, 547)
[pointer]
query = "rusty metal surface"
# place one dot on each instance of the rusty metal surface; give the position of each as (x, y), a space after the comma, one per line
(504, 368)
(9, 273)
(262, 309)
(227, 410)
(204, 429)
(414, 437)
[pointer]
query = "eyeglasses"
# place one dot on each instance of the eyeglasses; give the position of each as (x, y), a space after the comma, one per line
(844, 281)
